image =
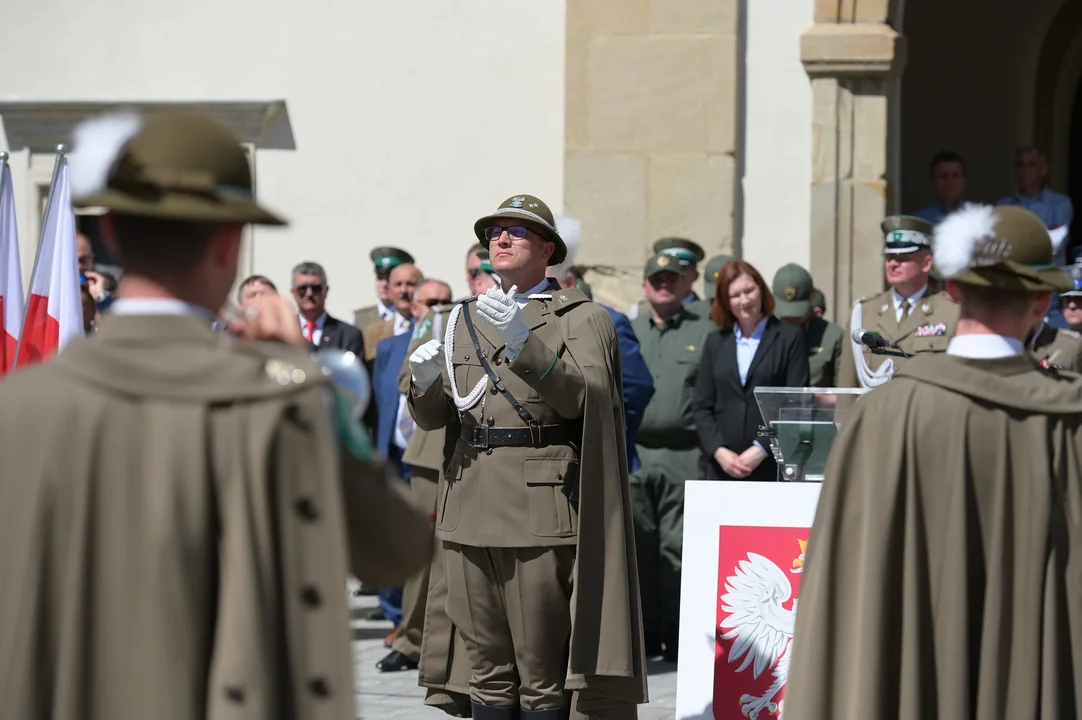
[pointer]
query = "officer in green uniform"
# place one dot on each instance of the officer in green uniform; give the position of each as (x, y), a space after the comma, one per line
(671, 334)
(819, 302)
(1061, 347)
(710, 276)
(688, 254)
(907, 313)
(792, 303)
(384, 260)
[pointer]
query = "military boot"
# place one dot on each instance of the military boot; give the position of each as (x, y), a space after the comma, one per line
(488, 712)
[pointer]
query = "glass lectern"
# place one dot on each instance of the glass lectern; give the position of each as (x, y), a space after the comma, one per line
(801, 424)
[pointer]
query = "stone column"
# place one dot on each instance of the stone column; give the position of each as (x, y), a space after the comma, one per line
(853, 59)
(651, 131)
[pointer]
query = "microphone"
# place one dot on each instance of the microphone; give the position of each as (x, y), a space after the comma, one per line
(871, 340)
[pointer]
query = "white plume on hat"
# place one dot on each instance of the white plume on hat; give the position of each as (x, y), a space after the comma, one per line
(570, 231)
(957, 237)
(1057, 236)
(97, 145)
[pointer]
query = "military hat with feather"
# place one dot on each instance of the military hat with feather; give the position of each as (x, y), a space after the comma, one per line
(1003, 247)
(166, 165)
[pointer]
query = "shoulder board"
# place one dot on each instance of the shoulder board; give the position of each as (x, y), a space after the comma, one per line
(1070, 333)
(563, 300)
(284, 366)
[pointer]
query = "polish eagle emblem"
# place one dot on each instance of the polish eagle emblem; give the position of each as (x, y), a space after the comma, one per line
(759, 627)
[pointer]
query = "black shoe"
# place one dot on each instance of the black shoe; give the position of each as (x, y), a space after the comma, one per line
(374, 614)
(395, 661)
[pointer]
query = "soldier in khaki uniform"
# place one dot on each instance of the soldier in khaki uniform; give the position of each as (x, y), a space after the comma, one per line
(384, 260)
(793, 291)
(179, 511)
(688, 254)
(1059, 347)
(528, 378)
(671, 336)
(906, 313)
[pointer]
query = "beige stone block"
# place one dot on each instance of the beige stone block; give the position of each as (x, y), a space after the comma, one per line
(828, 11)
(870, 116)
(826, 267)
(604, 17)
(576, 108)
(874, 11)
(672, 94)
(852, 50)
(869, 208)
(825, 93)
(617, 287)
(719, 17)
(607, 192)
(693, 196)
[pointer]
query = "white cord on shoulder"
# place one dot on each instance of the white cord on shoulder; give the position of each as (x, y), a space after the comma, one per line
(462, 403)
(868, 378)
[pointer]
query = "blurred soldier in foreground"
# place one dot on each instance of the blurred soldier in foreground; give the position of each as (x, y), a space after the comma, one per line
(178, 514)
(942, 578)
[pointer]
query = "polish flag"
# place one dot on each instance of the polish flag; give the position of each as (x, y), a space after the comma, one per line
(11, 274)
(54, 312)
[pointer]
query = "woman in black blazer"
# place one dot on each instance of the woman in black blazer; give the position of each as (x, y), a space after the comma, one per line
(752, 348)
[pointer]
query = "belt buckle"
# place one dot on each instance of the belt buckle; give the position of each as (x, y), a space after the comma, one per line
(535, 434)
(480, 436)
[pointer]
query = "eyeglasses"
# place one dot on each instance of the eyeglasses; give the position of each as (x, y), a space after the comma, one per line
(516, 231)
(305, 289)
(431, 302)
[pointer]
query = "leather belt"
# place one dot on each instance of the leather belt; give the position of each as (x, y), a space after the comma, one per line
(484, 437)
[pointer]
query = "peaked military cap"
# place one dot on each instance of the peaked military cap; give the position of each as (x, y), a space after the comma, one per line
(686, 251)
(1075, 272)
(792, 289)
(166, 165)
(525, 207)
(662, 262)
(906, 234)
(388, 258)
(1005, 247)
(713, 269)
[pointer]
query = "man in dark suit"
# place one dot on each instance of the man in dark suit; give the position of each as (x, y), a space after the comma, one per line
(321, 330)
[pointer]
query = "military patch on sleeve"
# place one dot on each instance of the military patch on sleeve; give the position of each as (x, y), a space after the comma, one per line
(423, 329)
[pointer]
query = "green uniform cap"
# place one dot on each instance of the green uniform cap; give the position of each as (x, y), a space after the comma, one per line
(713, 268)
(906, 234)
(168, 165)
(792, 292)
(662, 262)
(1075, 271)
(534, 211)
(686, 251)
(1007, 247)
(387, 258)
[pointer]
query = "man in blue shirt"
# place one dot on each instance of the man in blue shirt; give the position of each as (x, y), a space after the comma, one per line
(948, 174)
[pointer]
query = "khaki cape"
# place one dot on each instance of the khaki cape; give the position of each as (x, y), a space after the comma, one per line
(177, 522)
(944, 570)
(607, 665)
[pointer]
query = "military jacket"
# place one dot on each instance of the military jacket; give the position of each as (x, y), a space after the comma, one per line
(928, 328)
(825, 341)
(1058, 347)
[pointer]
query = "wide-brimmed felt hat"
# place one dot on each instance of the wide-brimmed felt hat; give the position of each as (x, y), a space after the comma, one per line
(906, 234)
(531, 209)
(792, 290)
(1006, 247)
(167, 165)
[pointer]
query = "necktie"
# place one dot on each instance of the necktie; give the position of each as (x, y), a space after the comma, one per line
(310, 331)
(905, 308)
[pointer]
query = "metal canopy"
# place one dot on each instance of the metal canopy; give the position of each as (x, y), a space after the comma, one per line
(41, 126)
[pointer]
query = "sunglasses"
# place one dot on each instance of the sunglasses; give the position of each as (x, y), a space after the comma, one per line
(518, 232)
(305, 289)
(431, 302)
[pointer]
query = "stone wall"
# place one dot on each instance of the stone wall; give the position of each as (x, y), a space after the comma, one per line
(652, 119)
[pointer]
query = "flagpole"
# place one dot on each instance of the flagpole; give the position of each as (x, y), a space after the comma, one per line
(61, 150)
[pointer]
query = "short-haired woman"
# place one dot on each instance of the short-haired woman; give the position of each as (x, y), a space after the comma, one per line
(751, 348)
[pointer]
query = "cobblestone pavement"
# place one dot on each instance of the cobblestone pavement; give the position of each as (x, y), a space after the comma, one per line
(390, 696)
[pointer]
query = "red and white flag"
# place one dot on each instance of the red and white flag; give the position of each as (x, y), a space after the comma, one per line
(54, 312)
(11, 274)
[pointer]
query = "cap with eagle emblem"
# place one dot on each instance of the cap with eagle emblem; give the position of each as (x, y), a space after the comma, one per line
(905, 234)
(532, 210)
(167, 165)
(710, 276)
(662, 262)
(1005, 247)
(792, 289)
(687, 252)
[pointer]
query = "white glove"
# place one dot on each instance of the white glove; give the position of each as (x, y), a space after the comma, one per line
(500, 309)
(426, 363)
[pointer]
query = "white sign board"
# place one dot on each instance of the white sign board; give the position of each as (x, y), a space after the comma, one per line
(744, 546)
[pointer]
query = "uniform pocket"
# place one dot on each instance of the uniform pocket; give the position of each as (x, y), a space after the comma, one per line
(549, 483)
